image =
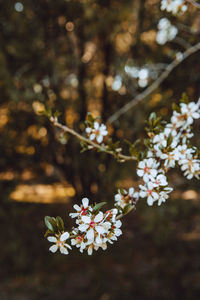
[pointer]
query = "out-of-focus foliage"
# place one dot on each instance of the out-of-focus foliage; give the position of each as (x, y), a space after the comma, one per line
(75, 56)
(72, 56)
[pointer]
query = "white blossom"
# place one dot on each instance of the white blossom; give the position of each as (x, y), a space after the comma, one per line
(122, 199)
(147, 167)
(81, 210)
(98, 132)
(148, 191)
(59, 243)
(173, 6)
(166, 31)
(190, 166)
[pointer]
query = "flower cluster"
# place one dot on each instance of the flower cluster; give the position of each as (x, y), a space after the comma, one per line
(124, 198)
(94, 229)
(167, 146)
(97, 132)
(166, 31)
(167, 149)
(173, 6)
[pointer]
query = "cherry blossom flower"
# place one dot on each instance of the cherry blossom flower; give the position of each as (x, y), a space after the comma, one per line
(122, 199)
(173, 6)
(190, 166)
(166, 31)
(190, 111)
(159, 180)
(59, 243)
(147, 167)
(163, 195)
(81, 210)
(148, 191)
(98, 132)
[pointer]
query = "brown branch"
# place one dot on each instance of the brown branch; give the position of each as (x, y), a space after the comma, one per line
(80, 137)
(194, 3)
(154, 85)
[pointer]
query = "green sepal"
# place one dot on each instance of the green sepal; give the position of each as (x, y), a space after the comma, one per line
(47, 233)
(60, 223)
(50, 222)
(98, 206)
(184, 98)
(128, 208)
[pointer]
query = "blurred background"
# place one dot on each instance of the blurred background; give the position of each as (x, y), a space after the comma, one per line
(79, 56)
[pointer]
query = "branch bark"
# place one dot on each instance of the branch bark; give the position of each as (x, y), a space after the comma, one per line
(80, 137)
(154, 85)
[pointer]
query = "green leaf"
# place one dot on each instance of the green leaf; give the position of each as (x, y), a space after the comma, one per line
(98, 206)
(129, 207)
(152, 116)
(60, 223)
(48, 223)
(47, 233)
(184, 98)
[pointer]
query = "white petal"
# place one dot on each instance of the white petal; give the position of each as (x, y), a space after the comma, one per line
(140, 172)
(53, 248)
(96, 125)
(76, 207)
(63, 250)
(100, 229)
(99, 138)
(90, 234)
(64, 236)
(83, 227)
(52, 239)
(85, 202)
(90, 250)
(98, 217)
(86, 219)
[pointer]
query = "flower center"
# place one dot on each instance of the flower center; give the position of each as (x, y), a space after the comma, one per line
(146, 170)
(92, 224)
(149, 192)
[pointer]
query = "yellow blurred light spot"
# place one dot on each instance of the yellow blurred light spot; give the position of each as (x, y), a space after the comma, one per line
(70, 116)
(37, 88)
(109, 81)
(149, 37)
(38, 107)
(3, 117)
(7, 175)
(42, 193)
(61, 20)
(69, 26)
(30, 150)
(94, 188)
(89, 52)
(190, 195)
(123, 42)
(155, 99)
(42, 132)
(65, 94)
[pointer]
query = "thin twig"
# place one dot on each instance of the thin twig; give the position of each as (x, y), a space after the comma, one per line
(154, 85)
(194, 3)
(102, 148)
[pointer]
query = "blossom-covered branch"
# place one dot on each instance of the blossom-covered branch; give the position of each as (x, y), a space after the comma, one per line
(141, 96)
(167, 146)
(91, 144)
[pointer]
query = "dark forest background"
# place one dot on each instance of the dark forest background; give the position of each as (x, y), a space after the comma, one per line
(71, 56)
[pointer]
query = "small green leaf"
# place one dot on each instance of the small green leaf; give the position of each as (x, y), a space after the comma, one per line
(47, 233)
(60, 223)
(48, 223)
(98, 206)
(129, 207)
